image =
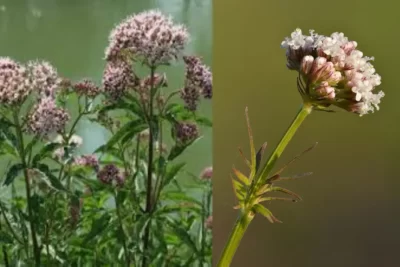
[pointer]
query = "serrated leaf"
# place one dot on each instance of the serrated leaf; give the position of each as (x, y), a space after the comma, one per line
(52, 179)
(184, 236)
(12, 173)
(45, 152)
(242, 178)
(180, 197)
(177, 150)
(172, 171)
(98, 226)
(258, 208)
(134, 127)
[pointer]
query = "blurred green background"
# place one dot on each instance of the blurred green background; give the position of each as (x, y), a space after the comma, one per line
(73, 34)
(350, 215)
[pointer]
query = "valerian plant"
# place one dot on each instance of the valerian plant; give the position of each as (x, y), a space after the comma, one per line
(332, 72)
(121, 205)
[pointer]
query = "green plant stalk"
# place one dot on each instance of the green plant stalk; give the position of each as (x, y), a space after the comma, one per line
(148, 209)
(36, 249)
(247, 214)
(121, 228)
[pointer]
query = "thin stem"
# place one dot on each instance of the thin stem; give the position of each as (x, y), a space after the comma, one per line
(5, 254)
(148, 209)
(246, 215)
(36, 249)
(239, 229)
(304, 111)
(126, 252)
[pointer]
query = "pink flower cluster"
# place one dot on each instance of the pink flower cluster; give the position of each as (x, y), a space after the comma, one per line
(15, 84)
(149, 36)
(46, 118)
(186, 132)
(111, 175)
(333, 71)
(198, 81)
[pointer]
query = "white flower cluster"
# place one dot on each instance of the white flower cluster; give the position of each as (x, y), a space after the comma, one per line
(150, 36)
(335, 72)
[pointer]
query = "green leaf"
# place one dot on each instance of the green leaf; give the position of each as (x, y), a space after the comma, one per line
(172, 172)
(258, 208)
(252, 149)
(6, 237)
(177, 150)
(45, 152)
(12, 173)
(242, 178)
(98, 226)
(180, 197)
(132, 128)
(204, 121)
(283, 190)
(259, 155)
(54, 181)
(183, 235)
(133, 106)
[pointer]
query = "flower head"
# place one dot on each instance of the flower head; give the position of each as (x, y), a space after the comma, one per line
(87, 88)
(88, 161)
(186, 132)
(118, 77)
(209, 222)
(149, 36)
(207, 173)
(333, 72)
(15, 84)
(111, 175)
(44, 78)
(46, 118)
(198, 81)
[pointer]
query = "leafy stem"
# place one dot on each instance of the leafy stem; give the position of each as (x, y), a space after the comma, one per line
(248, 211)
(121, 229)
(21, 150)
(148, 209)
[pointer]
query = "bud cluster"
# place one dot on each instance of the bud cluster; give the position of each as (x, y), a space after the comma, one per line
(333, 72)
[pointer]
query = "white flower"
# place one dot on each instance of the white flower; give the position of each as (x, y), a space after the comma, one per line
(329, 63)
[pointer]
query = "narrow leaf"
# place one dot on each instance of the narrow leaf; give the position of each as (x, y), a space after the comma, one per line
(252, 149)
(45, 152)
(285, 191)
(12, 173)
(172, 172)
(244, 158)
(295, 158)
(133, 126)
(242, 178)
(263, 199)
(294, 177)
(259, 155)
(258, 208)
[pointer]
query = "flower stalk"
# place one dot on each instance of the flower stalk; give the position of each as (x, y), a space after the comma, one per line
(247, 214)
(21, 149)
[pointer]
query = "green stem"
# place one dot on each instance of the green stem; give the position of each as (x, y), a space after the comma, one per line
(148, 210)
(245, 217)
(234, 240)
(121, 228)
(304, 111)
(36, 249)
